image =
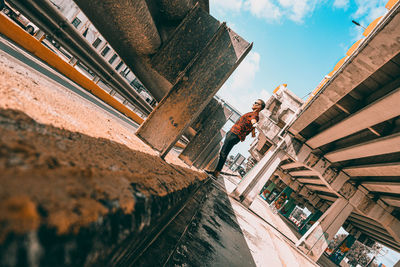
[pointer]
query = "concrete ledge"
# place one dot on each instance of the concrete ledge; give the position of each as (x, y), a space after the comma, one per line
(71, 199)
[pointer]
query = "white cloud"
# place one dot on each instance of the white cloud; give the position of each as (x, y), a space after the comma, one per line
(297, 10)
(367, 11)
(270, 10)
(265, 9)
(370, 9)
(223, 6)
(341, 4)
(240, 90)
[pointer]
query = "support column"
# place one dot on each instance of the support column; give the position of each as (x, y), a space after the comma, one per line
(201, 159)
(209, 128)
(194, 88)
(253, 182)
(213, 156)
(315, 241)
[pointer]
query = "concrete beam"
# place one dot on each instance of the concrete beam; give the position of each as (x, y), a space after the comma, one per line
(381, 110)
(305, 192)
(360, 223)
(374, 52)
(379, 146)
(303, 173)
(255, 179)
(198, 162)
(291, 165)
(188, 40)
(387, 187)
(211, 127)
(211, 157)
(385, 169)
(320, 188)
(131, 30)
(392, 201)
(316, 239)
(329, 198)
(314, 201)
(376, 211)
(310, 181)
(194, 90)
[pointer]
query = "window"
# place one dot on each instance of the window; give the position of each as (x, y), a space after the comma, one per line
(112, 59)
(85, 32)
(76, 22)
(105, 51)
(96, 43)
(119, 65)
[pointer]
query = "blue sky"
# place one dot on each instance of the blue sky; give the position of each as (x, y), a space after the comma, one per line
(296, 42)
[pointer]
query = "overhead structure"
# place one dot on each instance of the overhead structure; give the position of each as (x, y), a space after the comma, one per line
(342, 151)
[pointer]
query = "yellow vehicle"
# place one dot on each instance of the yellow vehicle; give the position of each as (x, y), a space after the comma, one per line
(18, 18)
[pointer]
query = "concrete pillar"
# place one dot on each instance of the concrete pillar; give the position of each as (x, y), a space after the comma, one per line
(212, 164)
(194, 88)
(199, 162)
(255, 179)
(213, 156)
(210, 127)
(315, 240)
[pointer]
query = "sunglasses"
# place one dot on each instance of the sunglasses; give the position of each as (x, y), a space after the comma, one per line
(257, 103)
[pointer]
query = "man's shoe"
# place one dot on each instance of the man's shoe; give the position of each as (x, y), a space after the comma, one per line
(216, 174)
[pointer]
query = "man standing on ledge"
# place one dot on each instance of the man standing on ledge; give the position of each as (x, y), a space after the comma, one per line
(238, 132)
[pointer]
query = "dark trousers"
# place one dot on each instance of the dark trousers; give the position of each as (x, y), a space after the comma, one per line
(231, 139)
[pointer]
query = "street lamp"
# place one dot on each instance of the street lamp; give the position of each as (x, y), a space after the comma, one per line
(358, 24)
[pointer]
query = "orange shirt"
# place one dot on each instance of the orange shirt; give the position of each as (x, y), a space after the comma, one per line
(244, 126)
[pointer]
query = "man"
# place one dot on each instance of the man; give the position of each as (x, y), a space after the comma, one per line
(238, 132)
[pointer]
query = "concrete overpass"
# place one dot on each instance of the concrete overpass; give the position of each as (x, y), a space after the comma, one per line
(341, 152)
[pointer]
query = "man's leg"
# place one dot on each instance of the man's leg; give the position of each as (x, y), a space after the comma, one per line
(231, 139)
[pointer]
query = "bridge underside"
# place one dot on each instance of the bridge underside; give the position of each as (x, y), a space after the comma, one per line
(354, 123)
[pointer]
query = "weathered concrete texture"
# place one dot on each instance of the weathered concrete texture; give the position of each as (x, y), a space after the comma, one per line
(130, 29)
(173, 10)
(209, 151)
(75, 207)
(202, 120)
(156, 38)
(189, 38)
(316, 239)
(194, 90)
(210, 128)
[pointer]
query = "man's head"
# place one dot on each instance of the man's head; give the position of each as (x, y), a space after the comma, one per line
(258, 105)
